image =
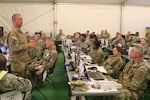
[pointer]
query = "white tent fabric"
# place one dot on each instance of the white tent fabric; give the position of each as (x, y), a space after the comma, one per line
(36, 17)
(73, 18)
(74, 15)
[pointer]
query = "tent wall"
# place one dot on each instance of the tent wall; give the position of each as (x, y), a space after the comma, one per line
(77, 17)
(82, 17)
(36, 17)
(136, 19)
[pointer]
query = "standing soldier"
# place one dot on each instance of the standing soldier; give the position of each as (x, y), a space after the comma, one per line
(18, 47)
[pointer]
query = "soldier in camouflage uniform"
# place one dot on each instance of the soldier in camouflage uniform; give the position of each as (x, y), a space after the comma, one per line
(3, 39)
(128, 39)
(144, 44)
(50, 56)
(10, 82)
(114, 62)
(84, 44)
(147, 35)
(97, 54)
(36, 54)
(119, 40)
(104, 35)
(18, 47)
(134, 77)
(60, 35)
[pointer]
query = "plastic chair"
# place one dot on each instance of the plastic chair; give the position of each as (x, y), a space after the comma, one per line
(12, 95)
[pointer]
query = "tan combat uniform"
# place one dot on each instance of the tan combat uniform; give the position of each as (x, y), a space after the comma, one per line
(113, 64)
(134, 80)
(18, 52)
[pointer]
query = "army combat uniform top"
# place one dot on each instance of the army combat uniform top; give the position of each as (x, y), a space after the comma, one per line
(98, 56)
(9, 82)
(113, 64)
(134, 80)
(49, 58)
(18, 52)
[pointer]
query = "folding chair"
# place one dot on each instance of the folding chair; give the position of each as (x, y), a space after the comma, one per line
(50, 73)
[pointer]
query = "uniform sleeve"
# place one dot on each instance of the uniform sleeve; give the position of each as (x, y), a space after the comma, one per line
(14, 44)
(138, 78)
(52, 60)
(20, 84)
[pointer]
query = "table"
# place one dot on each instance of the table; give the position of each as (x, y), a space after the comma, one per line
(91, 91)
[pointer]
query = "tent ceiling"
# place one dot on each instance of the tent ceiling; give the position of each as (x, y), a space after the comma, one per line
(134, 2)
(91, 1)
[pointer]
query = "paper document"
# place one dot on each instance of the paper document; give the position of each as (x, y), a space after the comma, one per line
(101, 69)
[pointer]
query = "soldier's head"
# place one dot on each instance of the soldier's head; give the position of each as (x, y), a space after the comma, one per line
(82, 37)
(96, 44)
(5, 34)
(143, 41)
(117, 50)
(37, 37)
(17, 20)
(49, 44)
(43, 35)
(2, 62)
(136, 53)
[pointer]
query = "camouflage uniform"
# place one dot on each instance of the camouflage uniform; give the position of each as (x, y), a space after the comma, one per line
(85, 46)
(49, 58)
(113, 64)
(11, 82)
(145, 49)
(128, 40)
(18, 52)
(116, 42)
(59, 36)
(3, 41)
(41, 43)
(147, 35)
(98, 56)
(36, 54)
(134, 80)
(135, 39)
(104, 36)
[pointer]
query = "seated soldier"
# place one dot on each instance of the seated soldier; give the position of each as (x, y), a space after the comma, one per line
(97, 53)
(9, 82)
(84, 44)
(119, 41)
(144, 44)
(49, 57)
(114, 62)
(35, 53)
(134, 77)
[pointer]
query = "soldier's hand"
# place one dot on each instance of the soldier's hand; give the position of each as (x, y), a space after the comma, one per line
(36, 65)
(39, 67)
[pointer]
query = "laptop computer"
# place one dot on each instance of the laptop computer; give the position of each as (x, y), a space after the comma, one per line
(95, 75)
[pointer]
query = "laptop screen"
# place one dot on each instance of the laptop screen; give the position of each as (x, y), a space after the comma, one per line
(3, 49)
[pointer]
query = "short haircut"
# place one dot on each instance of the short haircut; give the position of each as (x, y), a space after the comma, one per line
(2, 62)
(144, 39)
(139, 49)
(83, 35)
(14, 16)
